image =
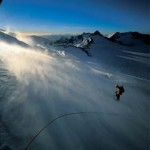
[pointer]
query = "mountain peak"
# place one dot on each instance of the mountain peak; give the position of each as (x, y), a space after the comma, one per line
(97, 33)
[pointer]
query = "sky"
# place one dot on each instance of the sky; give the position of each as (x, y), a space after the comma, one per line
(75, 16)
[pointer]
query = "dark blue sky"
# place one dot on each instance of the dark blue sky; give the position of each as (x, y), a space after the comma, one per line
(74, 16)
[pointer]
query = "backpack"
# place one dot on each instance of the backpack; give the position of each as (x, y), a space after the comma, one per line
(122, 89)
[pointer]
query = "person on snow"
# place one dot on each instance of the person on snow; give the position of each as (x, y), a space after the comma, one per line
(119, 91)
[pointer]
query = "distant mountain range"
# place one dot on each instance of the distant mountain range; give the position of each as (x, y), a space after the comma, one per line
(126, 38)
(81, 41)
(129, 38)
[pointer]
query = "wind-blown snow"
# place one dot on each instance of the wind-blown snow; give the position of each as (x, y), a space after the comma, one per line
(38, 85)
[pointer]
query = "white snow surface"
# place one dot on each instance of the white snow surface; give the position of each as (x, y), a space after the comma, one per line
(41, 83)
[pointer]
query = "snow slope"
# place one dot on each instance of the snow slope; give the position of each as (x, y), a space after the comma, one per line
(38, 85)
(8, 38)
(113, 55)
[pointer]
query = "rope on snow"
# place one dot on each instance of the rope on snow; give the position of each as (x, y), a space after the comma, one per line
(49, 123)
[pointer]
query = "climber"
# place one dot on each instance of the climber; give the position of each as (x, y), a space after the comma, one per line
(119, 91)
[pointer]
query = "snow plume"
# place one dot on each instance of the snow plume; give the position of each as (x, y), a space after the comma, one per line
(41, 82)
(21, 62)
(38, 72)
(24, 38)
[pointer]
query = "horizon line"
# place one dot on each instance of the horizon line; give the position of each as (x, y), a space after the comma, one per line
(63, 33)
